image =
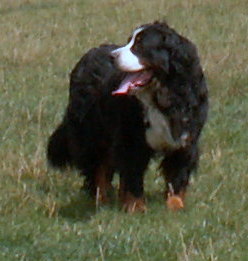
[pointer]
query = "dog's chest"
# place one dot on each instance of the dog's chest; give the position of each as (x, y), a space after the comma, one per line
(158, 132)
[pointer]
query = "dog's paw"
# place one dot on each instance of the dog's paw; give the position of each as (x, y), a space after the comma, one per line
(132, 204)
(175, 203)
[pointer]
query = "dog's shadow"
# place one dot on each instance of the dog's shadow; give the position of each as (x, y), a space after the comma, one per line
(79, 208)
(82, 207)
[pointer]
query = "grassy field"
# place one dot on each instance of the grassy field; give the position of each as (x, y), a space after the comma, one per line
(43, 214)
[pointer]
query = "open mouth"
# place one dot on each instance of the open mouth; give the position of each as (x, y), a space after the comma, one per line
(133, 81)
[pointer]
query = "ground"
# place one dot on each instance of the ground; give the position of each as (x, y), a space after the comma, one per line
(43, 214)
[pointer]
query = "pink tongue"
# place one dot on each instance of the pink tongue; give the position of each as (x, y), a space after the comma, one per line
(131, 81)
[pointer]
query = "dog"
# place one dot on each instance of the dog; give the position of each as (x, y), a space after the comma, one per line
(126, 105)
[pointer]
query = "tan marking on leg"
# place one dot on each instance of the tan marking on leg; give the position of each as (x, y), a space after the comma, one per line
(132, 204)
(103, 184)
(175, 201)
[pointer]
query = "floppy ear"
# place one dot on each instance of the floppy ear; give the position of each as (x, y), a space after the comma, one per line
(161, 59)
(183, 56)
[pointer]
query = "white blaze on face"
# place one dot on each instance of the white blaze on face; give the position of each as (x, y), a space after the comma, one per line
(125, 59)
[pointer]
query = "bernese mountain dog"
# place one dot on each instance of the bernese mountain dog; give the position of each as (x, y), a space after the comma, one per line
(129, 103)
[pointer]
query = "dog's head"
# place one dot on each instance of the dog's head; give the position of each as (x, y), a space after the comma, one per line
(152, 49)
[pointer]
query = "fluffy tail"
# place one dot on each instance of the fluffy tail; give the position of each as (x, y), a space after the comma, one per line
(57, 149)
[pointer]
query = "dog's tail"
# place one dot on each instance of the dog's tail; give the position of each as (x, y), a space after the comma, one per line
(57, 149)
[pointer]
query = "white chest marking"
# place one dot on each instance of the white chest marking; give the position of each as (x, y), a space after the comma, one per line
(158, 134)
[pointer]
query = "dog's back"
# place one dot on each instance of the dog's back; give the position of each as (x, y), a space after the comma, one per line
(91, 80)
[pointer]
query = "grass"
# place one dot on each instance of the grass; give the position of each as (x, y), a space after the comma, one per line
(43, 214)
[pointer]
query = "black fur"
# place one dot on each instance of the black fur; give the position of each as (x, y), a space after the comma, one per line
(102, 130)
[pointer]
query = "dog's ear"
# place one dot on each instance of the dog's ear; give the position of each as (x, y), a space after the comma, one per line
(161, 59)
(184, 56)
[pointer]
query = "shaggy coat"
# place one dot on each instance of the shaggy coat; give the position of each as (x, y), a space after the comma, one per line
(129, 103)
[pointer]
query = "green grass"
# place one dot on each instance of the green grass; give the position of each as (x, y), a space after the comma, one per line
(43, 214)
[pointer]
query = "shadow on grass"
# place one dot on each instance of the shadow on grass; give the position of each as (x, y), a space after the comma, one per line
(83, 208)
(79, 208)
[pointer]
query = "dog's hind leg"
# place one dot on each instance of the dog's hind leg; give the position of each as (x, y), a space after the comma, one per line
(98, 182)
